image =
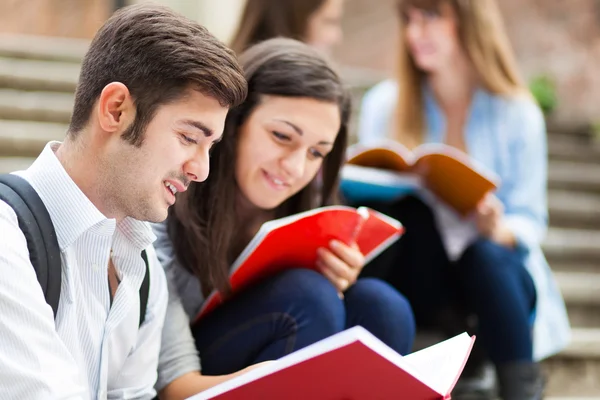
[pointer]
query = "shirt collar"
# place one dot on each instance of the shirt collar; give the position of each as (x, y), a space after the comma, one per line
(71, 211)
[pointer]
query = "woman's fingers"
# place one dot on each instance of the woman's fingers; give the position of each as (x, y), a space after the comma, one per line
(337, 266)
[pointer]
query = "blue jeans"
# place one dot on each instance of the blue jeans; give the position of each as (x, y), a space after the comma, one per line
(295, 309)
(489, 282)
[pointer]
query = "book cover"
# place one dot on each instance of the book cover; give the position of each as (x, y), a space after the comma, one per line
(352, 365)
(449, 173)
(292, 242)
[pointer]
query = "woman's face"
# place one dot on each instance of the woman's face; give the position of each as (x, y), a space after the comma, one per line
(281, 147)
(324, 25)
(432, 37)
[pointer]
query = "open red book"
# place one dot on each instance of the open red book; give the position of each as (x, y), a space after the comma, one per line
(352, 365)
(292, 242)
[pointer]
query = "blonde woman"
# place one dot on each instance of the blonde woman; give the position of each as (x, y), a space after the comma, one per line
(458, 84)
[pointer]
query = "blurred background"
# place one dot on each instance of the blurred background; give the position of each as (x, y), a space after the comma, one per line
(557, 43)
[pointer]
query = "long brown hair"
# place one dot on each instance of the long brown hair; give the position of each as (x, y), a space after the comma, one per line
(266, 19)
(482, 34)
(203, 222)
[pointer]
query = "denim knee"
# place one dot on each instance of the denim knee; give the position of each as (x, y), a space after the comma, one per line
(486, 260)
(381, 309)
(311, 300)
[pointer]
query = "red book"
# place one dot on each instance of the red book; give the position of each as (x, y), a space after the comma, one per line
(352, 365)
(292, 242)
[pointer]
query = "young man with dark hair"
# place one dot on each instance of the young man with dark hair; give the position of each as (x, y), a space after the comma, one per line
(152, 98)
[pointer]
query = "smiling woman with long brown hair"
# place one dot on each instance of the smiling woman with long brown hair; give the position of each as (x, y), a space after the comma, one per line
(458, 83)
(292, 125)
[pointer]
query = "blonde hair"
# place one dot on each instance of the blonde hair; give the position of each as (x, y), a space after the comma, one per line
(482, 35)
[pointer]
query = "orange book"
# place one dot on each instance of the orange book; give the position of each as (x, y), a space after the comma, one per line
(292, 242)
(352, 365)
(447, 172)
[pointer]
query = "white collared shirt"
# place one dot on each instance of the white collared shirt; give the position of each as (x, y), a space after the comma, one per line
(92, 350)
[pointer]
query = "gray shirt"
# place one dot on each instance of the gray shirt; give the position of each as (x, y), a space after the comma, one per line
(178, 353)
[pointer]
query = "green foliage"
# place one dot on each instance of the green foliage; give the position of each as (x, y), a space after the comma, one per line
(543, 89)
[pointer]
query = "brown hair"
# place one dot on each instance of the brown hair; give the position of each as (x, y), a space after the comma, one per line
(158, 55)
(481, 33)
(266, 19)
(202, 224)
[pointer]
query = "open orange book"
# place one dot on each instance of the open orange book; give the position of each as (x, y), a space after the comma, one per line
(447, 172)
(352, 365)
(292, 242)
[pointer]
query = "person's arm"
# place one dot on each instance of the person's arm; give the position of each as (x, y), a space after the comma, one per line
(525, 199)
(34, 361)
(376, 111)
(194, 382)
(138, 374)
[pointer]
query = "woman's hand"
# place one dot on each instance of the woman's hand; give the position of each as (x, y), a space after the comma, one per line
(489, 217)
(341, 264)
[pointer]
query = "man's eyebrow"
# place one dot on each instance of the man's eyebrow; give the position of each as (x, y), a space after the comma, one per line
(198, 125)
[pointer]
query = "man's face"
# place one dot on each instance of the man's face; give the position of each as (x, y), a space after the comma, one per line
(143, 181)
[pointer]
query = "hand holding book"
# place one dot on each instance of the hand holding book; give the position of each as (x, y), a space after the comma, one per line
(293, 242)
(341, 264)
(489, 217)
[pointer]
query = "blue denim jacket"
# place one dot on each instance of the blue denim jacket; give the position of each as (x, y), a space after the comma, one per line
(508, 136)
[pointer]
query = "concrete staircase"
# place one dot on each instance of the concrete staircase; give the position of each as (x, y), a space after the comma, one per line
(37, 81)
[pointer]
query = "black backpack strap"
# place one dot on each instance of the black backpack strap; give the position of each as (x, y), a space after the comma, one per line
(36, 224)
(144, 289)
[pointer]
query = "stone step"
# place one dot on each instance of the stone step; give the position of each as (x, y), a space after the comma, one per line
(580, 288)
(43, 47)
(576, 370)
(34, 75)
(21, 138)
(585, 343)
(571, 209)
(581, 291)
(569, 175)
(575, 148)
(573, 246)
(572, 378)
(35, 106)
(10, 164)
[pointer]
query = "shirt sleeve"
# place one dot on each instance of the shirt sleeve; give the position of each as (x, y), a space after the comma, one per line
(526, 209)
(178, 353)
(376, 110)
(34, 361)
(139, 373)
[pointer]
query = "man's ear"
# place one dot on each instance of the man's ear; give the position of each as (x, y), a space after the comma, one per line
(116, 110)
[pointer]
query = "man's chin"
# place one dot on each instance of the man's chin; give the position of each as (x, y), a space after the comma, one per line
(154, 216)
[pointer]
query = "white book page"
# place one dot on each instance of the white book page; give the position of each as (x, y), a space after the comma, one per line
(442, 363)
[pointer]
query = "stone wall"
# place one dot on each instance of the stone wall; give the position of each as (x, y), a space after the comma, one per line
(69, 18)
(556, 37)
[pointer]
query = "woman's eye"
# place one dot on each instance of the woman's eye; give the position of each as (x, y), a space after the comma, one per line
(281, 136)
(188, 139)
(316, 153)
(431, 14)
